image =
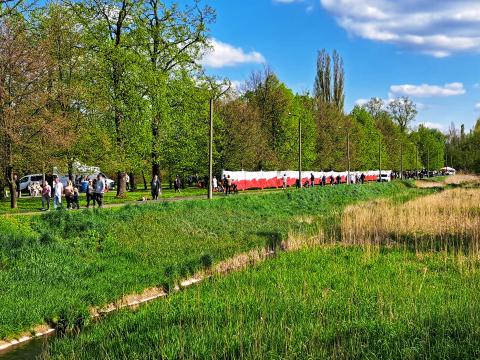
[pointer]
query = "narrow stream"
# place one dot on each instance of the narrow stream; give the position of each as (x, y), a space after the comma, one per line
(28, 351)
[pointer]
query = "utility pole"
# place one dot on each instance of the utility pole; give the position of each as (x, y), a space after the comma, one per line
(210, 153)
(428, 162)
(300, 151)
(401, 160)
(380, 159)
(348, 155)
(416, 161)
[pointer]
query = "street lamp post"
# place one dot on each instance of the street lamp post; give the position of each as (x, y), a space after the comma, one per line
(428, 162)
(348, 157)
(416, 161)
(210, 153)
(401, 160)
(380, 159)
(300, 151)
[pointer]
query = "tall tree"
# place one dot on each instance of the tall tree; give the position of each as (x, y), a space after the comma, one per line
(338, 81)
(108, 27)
(174, 40)
(403, 110)
(329, 91)
(25, 122)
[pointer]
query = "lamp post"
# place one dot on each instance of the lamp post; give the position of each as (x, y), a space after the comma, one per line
(300, 151)
(210, 154)
(428, 162)
(380, 159)
(348, 157)
(401, 158)
(416, 161)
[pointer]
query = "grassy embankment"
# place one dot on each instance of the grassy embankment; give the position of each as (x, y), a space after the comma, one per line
(413, 296)
(55, 267)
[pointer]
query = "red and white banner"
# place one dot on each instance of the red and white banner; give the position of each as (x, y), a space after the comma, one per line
(274, 179)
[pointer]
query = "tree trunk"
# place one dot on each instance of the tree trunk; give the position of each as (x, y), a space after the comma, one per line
(12, 187)
(121, 184)
(2, 190)
(144, 181)
(133, 182)
(70, 170)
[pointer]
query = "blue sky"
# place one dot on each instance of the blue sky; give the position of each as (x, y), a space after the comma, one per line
(390, 48)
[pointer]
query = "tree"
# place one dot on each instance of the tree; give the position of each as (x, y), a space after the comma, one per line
(7, 7)
(25, 122)
(174, 40)
(403, 111)
(328, 91)
(114, 74)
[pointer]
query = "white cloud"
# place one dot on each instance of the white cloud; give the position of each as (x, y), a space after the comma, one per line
(426, 90)
(361, 102)
(225, 55)
(434, 27)
(434, 125)
(477, 106)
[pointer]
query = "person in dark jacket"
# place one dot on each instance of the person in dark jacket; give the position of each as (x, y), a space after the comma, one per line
(90, 193)
(156, 186)
(339, 179)
(312, 180)
(324, 180)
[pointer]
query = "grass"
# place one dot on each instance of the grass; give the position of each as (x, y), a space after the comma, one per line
(54, 268)
(326, 303)
(28, 204)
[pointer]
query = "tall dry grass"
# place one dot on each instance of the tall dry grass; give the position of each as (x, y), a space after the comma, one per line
(446, 221)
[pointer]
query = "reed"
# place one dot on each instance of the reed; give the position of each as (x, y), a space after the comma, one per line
(445, 221)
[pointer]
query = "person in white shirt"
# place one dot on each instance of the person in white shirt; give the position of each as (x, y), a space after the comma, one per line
(58, 187)
(215, 183)
(99, 190)
(284, 181)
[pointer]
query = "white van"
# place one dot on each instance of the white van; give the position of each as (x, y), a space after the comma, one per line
(27, 180)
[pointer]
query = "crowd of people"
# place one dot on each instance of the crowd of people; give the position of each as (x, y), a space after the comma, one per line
(94, 190)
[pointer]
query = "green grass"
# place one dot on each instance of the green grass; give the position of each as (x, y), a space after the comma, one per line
(54, 267)
(27, 204)
(338, 302)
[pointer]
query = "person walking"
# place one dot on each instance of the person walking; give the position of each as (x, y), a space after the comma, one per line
(228, 187)
(90, 194)
(284, 182)
(46, 195)
(69, 194)
(99, 190)
(324, 180)
(215, 184)
(127, 181)
(17, 186)
(57, 198)
(177, 184)
(339, 179)
(312, 180)
(362, 178)
(155, 188)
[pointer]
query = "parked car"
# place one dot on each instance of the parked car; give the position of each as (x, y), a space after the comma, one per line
(28, 180)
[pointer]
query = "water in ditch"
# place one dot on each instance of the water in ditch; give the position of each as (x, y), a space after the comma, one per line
(29, 351)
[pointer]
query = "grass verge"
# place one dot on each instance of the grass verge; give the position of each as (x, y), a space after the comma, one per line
(326, 303)
(55, 267)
